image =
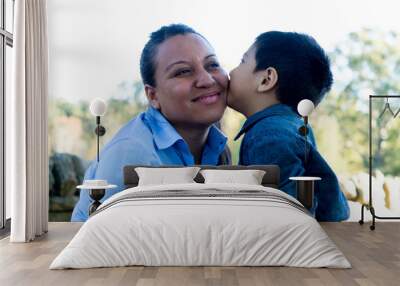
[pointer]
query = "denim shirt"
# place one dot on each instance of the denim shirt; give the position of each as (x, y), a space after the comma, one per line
(148, 139)
(272, 137)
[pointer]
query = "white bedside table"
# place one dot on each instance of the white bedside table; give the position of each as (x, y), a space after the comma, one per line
(97, 190)
(305, 190)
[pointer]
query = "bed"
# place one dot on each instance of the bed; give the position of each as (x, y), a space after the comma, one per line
(201, 224)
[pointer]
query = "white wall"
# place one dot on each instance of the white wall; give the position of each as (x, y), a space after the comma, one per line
(96, 44)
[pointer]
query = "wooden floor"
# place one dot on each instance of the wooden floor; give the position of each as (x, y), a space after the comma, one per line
(374, 255)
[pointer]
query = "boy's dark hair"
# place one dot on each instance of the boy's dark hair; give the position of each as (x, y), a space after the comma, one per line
(302, 65)
(147, 63)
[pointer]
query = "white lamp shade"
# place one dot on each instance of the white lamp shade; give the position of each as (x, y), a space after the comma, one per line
(98, 107)
(305, 107)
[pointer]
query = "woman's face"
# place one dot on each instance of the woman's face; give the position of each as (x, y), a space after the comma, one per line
(190, 84)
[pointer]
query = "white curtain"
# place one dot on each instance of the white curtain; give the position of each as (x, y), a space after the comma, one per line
(27, 148)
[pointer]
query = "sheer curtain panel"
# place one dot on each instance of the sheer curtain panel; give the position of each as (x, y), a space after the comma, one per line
(27, 144)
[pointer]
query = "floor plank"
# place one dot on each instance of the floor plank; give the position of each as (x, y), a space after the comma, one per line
(374, 255)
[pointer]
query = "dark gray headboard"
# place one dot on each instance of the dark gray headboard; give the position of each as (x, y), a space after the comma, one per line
(270, 179)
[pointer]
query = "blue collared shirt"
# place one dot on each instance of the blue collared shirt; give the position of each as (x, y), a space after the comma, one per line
(147, 139)
(272, 137)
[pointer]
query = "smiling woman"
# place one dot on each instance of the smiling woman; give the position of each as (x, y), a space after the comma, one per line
(188, 86)
(186, 89)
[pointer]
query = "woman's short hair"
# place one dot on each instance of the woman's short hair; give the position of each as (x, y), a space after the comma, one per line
(302, 65)
(147, 63)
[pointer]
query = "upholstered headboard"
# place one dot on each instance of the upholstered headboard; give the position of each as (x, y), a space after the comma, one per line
(270, 179)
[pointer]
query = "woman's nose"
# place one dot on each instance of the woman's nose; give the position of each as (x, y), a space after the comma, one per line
(204, 79)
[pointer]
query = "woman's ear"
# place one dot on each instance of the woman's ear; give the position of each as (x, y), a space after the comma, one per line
(268, 80)
(151, 95)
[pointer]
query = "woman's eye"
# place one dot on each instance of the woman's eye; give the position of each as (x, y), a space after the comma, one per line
(182, 72)
(213, 65)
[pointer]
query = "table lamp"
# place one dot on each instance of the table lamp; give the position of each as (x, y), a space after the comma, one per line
(98, 108)
(305, 184)
(305, 108)
(97, 188)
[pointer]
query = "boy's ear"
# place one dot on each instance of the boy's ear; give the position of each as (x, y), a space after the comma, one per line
(267, 80)
(151, 95)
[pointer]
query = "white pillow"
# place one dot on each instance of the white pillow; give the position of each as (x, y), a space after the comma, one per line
(249, 177)
(164, 176)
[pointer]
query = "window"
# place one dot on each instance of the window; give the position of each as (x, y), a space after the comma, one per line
(6, 44)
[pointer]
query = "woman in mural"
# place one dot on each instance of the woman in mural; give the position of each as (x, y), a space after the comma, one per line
(186, 89)
(276, 73)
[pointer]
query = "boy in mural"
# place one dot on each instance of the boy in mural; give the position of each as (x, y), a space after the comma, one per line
(276, 73)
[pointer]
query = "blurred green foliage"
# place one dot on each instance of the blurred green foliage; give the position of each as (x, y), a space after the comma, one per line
(367, 62)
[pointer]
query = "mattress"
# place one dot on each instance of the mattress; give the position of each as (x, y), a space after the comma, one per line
(201, 225)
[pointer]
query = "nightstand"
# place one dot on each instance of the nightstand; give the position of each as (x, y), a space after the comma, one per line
(97, 190)
(305, 190)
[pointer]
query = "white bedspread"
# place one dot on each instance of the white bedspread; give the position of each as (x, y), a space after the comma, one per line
(201, 230)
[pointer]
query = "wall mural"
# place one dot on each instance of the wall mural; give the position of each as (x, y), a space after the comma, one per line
(366, 62)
